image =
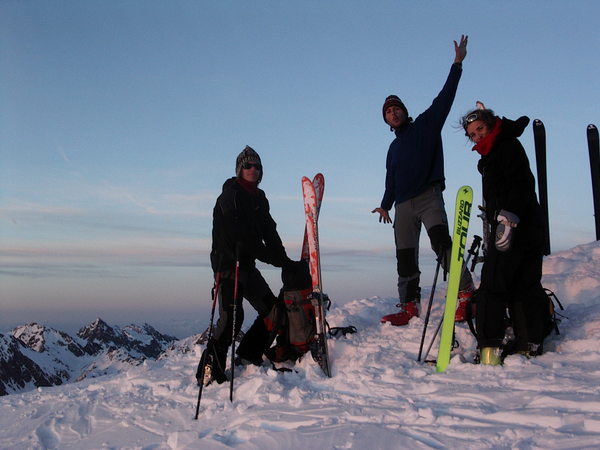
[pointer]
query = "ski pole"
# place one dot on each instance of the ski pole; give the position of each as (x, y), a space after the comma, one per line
(202, 363)
(233, 332)
(437, 330)
(474, 248)
(437, 271)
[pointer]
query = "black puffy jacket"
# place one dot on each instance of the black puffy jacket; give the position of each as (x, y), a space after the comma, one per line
(509, 184)
(242, 223)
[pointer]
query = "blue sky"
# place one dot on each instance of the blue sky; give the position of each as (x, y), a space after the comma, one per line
(120, 121)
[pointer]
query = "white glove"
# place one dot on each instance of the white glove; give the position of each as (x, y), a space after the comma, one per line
(507, 221)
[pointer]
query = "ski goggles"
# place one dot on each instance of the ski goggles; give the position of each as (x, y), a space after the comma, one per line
(475, 115)
(257, 166)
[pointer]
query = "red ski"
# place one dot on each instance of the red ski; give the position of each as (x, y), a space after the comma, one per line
(319, 185)
(312, 202)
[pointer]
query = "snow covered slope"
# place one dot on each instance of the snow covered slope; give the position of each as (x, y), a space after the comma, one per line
(379, 397)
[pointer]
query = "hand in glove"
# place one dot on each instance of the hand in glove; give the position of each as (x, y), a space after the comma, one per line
(296, 275)
(507, 221)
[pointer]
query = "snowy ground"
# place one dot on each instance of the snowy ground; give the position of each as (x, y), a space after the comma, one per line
(380, 397)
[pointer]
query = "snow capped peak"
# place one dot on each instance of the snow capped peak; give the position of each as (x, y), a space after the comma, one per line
(51, 357)
(146, 333)
(97, 329)
(31, 335)
(37, 337)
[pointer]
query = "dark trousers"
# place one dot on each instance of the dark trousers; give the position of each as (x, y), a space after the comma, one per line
(511, 280)
(253, 287)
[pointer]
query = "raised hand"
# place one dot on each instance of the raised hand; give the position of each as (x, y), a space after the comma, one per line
(461, 49)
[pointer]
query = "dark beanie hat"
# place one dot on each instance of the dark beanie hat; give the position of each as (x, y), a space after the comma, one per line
(248, 155)
(393, 100)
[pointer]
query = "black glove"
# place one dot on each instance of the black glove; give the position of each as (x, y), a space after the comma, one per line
(296, 276)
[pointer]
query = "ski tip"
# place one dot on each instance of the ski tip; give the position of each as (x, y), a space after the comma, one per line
(538, 123)
(591, 126)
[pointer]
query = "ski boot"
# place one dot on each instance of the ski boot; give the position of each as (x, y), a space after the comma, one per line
(532, 351)
(407, 311)
(215, 361)
(490, 356)
(206, 362)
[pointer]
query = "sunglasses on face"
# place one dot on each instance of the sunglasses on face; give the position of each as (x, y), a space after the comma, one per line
(247, 166)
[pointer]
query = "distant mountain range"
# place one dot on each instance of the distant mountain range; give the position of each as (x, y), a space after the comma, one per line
(34, 355)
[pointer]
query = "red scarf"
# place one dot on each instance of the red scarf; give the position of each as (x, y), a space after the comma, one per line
(247, 185)
(484, 146)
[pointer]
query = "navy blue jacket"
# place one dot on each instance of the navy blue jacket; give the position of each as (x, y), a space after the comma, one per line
(415, 159)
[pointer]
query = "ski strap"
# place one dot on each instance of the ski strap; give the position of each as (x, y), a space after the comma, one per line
(280, 369)
(335, 331)
(552, 296)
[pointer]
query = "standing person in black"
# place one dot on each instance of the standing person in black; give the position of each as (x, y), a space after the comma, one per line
(414, 183)
(243, 230)
(512, 271)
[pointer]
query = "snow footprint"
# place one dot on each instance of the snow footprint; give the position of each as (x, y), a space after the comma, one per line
(47, 435)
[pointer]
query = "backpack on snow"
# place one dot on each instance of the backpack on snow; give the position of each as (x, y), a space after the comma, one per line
(292, 319)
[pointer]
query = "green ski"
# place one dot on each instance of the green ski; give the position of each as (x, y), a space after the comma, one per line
(464, 201)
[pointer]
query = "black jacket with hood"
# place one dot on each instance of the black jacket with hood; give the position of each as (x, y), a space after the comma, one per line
(242, 223)
(508, 183)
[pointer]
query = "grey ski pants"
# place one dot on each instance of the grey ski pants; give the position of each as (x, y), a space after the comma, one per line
(426, 209)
